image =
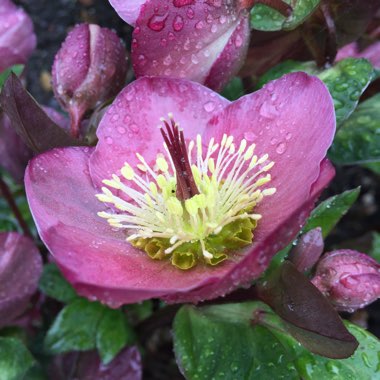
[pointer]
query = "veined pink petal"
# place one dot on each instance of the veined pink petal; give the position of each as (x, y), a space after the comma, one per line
(94, 258)
(130, 124)
(190, 39)
(292, 119)
(128, 10)
(20, 269)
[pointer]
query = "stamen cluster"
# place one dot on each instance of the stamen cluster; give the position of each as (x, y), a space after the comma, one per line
(179, 206)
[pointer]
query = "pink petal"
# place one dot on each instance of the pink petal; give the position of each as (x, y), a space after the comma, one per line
(371, 52)
(186, 38)
(257, 258)
(293, 120)
(128, 10)
(20, 269)
(98, 261)
(130, 124)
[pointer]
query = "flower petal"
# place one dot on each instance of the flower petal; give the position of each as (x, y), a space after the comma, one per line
(94, 258)
(292, 119)
(20, 269)
(257, 258)
(184, 39)
(128, 10)
(130, 124)
(371, 52)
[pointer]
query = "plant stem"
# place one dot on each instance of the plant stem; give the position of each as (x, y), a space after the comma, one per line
(7, 194)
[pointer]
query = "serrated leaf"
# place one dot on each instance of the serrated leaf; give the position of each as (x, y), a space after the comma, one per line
(267, 19)
(328, 213)
(248, 341)
(346, 81)
(29, 120)
(75, 327)
(17, 69)
(55, 286)
(358, 139)
(15, 359)
(234, 89)
(113, 334)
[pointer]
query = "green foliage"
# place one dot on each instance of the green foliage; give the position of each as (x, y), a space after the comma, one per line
(248, 341)
(234, 89)
(346, 81)
(358, 140)
(15, 359)
(267, 19)
(17, 69)
(55, 286)
(83, 325)
(328, 213)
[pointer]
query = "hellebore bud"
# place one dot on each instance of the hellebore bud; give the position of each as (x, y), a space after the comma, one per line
(308, 250)
(203, 41)
(90, 67)
(349, 279)
(17, 39)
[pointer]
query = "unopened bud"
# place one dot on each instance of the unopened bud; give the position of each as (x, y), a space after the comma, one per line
(89, 68)
(17, 39)
(349, 279)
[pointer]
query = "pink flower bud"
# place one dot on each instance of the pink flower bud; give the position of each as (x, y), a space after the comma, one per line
(203, 41)
(90, 67)
(349, 279)
(17, 39)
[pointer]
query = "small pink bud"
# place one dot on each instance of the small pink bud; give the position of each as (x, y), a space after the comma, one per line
(349, 279)
(308, 250)
(17, 39)
(89, 68)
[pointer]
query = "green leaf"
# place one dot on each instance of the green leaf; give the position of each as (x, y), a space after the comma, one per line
(75, 327)
(375, 250)
(83, 325)
(358, 140)
(374, 166)
(248, 341)
(267, 19)
(286, 67)
(234, 89)
(15, 359)
(328, 213)
(113, 335)
(346, 81)
(55, 286)
(17, 69)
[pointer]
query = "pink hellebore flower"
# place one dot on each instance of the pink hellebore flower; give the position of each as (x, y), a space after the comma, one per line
(255, 164)
(90, 67)
(20, 270)
(349, 279)
(17, 39)
(203, 41)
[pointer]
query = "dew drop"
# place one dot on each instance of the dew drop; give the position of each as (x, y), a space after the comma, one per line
(281, 148)
(157, 22)
(109, 140)
(209, 106)
(178, 23)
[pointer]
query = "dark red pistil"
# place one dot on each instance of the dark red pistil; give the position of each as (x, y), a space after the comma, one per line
(175, 141)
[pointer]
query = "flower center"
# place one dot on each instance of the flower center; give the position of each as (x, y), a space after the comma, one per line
(194, 204)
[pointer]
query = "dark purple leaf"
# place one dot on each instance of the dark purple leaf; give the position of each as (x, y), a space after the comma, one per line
(310, 317)
(29, 120)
